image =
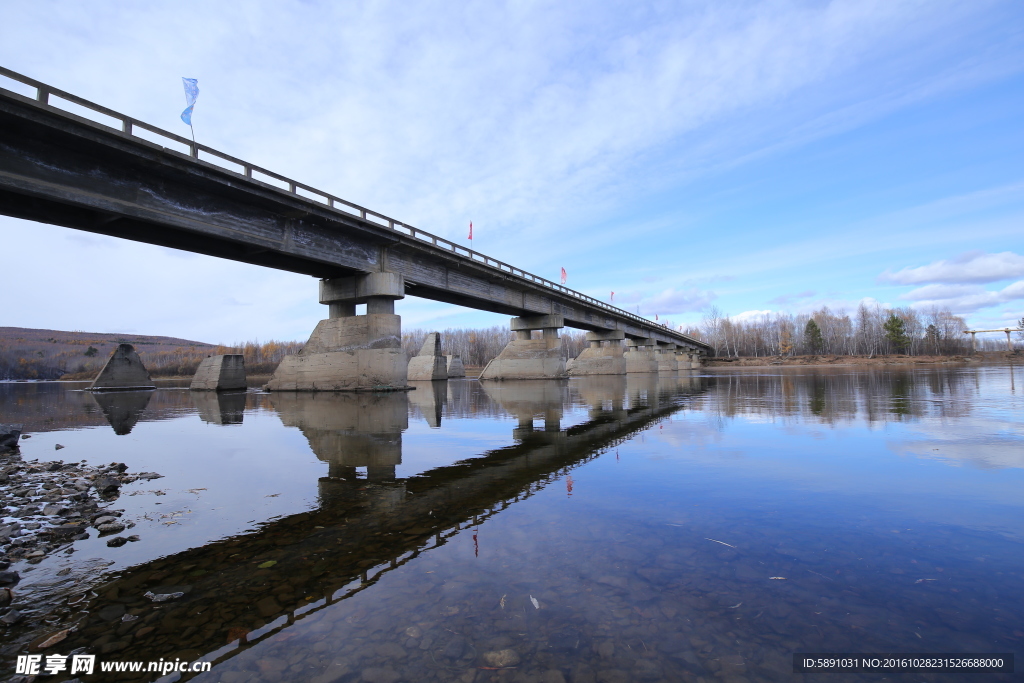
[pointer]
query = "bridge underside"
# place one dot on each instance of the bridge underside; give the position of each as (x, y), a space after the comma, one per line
(61, 169)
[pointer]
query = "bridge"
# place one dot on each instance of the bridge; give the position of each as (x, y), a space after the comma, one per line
(69, 162)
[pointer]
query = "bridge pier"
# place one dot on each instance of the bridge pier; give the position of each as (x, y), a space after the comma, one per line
(666, 355)
(640, 355)
(429, 364)
(527, 358)
(349, 352)
(603, 356)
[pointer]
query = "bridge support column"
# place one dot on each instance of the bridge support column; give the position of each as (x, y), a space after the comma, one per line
(640, 355)
(527, 358)
(666, 354)
(603, 356)
(429, 364)
(349, 352)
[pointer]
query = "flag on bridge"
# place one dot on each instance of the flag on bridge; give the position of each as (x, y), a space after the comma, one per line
(655, 316)
(613, 297)
(191, 93)
(564, 275)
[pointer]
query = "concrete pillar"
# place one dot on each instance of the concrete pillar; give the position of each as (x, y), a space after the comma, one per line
(640, 355)
(666, 355)
(349, 352)
(455, 366)
(603, 356)
(527, 358)
(429, 364)
(220, 373)
(123, 371)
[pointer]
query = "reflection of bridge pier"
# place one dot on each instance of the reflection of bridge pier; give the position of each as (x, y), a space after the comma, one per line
(220, 408)
(529, 399)
(122, 408)
(349, 430)
(429, 397)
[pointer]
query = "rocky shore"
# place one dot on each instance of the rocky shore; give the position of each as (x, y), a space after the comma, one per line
(46, 506)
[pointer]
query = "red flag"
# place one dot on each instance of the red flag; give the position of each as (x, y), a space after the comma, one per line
(564, 275)
(471, 231)
(613, 297)
(655, 316)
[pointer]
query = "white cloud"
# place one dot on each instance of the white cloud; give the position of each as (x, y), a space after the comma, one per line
(747, 316)
(672, 301)
(963, 299)
(974, 266)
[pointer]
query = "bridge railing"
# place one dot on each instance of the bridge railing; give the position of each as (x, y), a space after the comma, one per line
(127, 125)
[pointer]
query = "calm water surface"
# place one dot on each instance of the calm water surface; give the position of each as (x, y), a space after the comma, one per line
(699, 527)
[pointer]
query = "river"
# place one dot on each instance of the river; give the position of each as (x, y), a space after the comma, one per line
(702, 527)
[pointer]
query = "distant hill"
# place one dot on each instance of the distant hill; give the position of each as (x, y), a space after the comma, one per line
(49, 354)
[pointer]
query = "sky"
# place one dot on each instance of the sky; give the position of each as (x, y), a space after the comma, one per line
(760, 157)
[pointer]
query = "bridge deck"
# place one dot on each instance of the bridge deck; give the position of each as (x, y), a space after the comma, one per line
(100, 176)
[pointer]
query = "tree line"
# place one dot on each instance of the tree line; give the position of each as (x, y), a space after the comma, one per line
(869, 331)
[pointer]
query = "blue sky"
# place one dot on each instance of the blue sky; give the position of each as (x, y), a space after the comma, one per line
(774, 156)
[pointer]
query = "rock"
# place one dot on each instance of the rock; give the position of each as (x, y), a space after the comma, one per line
(163, 597)
(149, 475)
(12, 617)
(133, 538)
(552, 676)
(106, 485)
(9, 578)
(55, 466)
(105, 519)
(455, 647)
(414, 632)
(26, 436)
(380, 674)
(57, 447)
(111, 528)
(119, 466)
(112, 612)
(117, 542)
(9, 437)
(6, 596)
(501, 658)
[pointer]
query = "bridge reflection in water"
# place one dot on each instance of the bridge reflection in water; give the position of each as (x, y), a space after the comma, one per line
(243, 590)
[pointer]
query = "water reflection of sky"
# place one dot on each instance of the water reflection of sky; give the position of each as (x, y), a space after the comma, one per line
(870, 479)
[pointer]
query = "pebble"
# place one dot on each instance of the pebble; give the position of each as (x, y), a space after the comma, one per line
(501, 658)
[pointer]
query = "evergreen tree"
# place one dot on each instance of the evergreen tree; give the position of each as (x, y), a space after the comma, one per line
(896, 332)
(932, 339)
(812, 336)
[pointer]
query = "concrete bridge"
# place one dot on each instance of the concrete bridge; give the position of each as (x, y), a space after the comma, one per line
(67, 161)
(363, 528)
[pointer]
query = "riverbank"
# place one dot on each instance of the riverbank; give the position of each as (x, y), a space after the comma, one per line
(896, 359)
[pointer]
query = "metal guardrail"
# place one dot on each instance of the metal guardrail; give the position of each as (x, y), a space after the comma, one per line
(250, 171)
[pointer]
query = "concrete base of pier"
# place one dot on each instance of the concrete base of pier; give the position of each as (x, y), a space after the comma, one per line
(527, 358)
(455, 366)
(123, 371)
(603, 356)
(429, 364)
(640, 356)
(220, 373)
(667, 361)
(356, 353)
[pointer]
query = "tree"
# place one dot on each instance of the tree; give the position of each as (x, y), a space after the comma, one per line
(896, 332)
(931, 338)
(812, 336)
(91, 351)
